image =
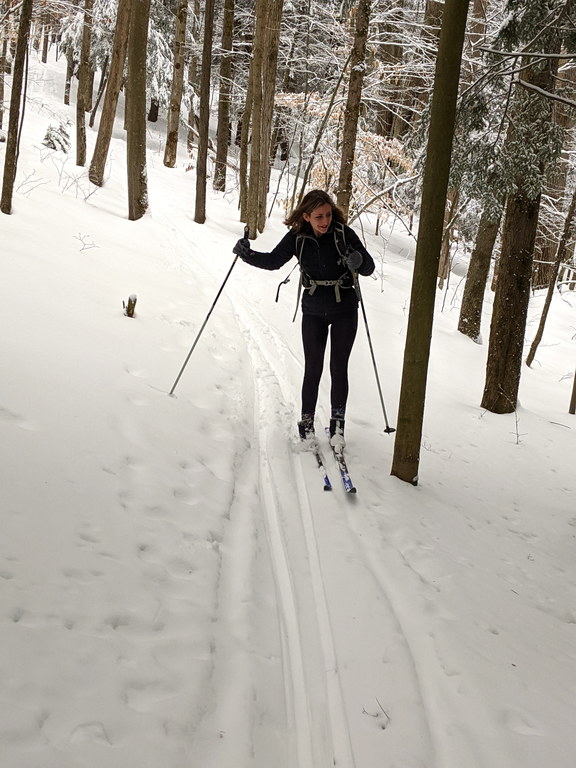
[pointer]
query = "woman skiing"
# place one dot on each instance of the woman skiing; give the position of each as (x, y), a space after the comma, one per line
(330, 255)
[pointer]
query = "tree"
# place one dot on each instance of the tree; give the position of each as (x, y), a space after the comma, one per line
(177, 86)
(13, 138)
(84, 94)
(136, 109)
(532, 143)
(560, 256)
(406, 457)
(552, 215)
(204, 119)
(193, 78)
(224, 96)
(258, 113)
(352, 112)
(113, 86)
(470, 319)
(3, 65)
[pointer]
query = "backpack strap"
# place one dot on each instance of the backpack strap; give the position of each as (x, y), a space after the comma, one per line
(340, 238)
(299, 249)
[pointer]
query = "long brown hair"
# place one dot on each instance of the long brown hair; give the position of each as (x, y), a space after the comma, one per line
(312, 200)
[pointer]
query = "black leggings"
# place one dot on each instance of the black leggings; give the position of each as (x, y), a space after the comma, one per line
(314, 338)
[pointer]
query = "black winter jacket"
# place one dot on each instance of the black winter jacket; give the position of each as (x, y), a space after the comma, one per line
(320, 260)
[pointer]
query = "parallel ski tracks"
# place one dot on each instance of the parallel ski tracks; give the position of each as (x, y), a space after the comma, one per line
(322, 736)
(314, 685)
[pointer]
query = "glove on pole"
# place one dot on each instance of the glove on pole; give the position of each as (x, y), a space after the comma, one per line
(388, 429)
(206, 320)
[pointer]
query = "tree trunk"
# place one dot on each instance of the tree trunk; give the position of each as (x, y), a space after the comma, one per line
(510, 304)
(173, 126)
(13, 138)
(549, 230)
(45, 35)
(470, 319)
(204, 118)
(225, 92)
(391, 55)
(261, 180)
(3, 51)
(136, 110)
(251, 118)
(450, 219)
(101, 87)
(70, 67)
(531, 118)
(84, 92)
(115, 77)
(352, 111)
(560, 256)
(260, 105)
(435, 185)
(193, 81)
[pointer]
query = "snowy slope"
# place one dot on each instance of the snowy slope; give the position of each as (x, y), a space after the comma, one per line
(176, 587)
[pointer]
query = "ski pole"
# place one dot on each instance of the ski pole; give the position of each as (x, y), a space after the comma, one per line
(388, 429)
(206, 320)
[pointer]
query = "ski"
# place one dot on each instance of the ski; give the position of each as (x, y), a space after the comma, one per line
(321, 466)
(338, 451)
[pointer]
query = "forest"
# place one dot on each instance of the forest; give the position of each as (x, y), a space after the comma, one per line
(455, 119)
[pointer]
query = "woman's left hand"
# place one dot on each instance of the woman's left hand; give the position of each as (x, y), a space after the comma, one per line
(353, 259)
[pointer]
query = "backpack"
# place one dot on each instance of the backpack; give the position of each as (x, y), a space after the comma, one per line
(306, 281)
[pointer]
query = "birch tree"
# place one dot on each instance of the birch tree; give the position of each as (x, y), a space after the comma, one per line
(173, 125)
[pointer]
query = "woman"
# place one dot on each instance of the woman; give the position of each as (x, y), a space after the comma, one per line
(330, 256)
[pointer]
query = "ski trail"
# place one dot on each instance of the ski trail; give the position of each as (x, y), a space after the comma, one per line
(297, 697)
(343, 752)
(330, 694)
(314, 695)
(331, 539)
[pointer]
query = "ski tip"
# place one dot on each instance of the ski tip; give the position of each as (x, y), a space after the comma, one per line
(327, 487)
(352, 490)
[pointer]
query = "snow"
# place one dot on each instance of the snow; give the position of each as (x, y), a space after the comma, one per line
(176, 587)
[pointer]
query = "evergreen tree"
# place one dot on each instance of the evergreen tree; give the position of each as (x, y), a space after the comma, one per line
(532, 142)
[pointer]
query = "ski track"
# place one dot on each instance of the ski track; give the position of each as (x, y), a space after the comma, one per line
(327, 721)
(340, 742)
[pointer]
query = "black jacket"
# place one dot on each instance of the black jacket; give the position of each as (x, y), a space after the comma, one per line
(320, 260)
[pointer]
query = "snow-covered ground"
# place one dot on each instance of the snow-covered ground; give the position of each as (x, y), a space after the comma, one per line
(177, 590)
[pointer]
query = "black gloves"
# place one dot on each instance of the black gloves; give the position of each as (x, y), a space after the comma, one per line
(242, 248)
(353, 259)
